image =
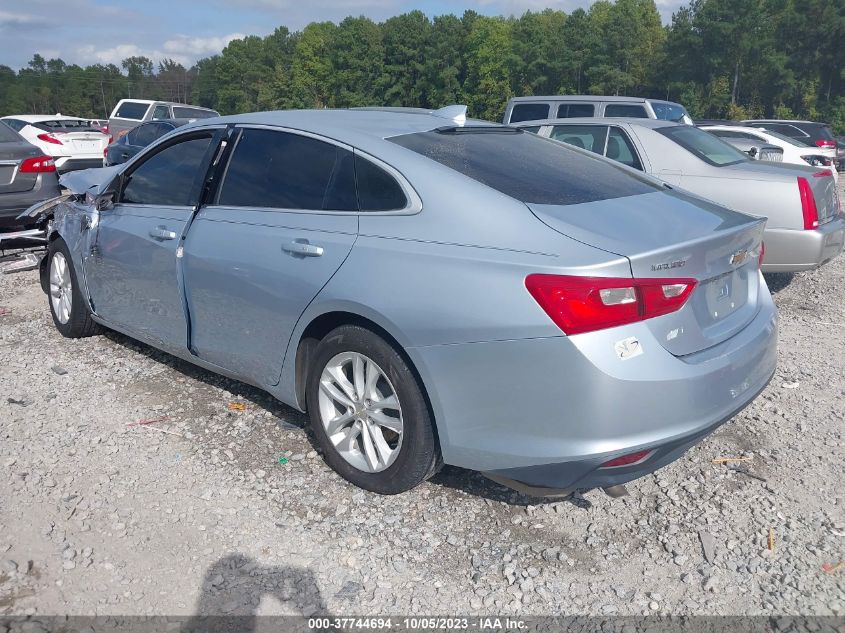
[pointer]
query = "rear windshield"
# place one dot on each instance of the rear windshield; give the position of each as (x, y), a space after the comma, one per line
(192, 113)
(132, 110)
(707, 147)
(7, 134)
(670, 112)
(70, 125)
(525, 166)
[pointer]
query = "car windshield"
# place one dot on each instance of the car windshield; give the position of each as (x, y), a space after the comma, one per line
(707, 147)
(7, 134)
(670, 112)
(525, 166)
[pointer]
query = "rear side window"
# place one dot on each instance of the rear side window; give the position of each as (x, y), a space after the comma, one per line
(573, 110)
(180, 112)
(589, 137)
(625, 110)
(377, 190)
(620, 149)
(167, 178)
(525, 166)
(529, 112)
(132, 110)
(288, 171)
(161, 112)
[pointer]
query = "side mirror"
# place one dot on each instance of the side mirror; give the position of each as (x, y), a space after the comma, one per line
(105, 201)
(752, 152)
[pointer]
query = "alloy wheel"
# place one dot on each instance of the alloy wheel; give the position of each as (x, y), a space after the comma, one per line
(61, 287)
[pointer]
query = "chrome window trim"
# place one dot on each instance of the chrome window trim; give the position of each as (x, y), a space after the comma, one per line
(414, 202)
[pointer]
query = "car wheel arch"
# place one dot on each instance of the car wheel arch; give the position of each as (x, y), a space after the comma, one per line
(321, 325)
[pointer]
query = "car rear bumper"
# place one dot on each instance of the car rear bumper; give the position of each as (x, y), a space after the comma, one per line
(789, 250)
(72, 163)
(13, 204)
(547, 413)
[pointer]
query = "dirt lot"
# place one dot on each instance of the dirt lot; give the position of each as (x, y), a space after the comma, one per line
(196, 514)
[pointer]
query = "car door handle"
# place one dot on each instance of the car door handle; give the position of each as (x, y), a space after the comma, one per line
(303, 247)
(162, 233)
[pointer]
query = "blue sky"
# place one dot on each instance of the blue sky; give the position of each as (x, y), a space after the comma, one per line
(95, 31)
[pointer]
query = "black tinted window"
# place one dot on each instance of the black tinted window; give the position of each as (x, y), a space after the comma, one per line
(167, 178)
(377, 190)
(180, 112)
(288, 171)
(620, 109)
(529, 112)
(573, 110)
(142, 135)
(132, 110)
(525, 166)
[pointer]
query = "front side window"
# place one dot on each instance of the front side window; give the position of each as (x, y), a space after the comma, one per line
(167, 178)
(574, 110)
(620, 149)
(707, 147)
(132, 110)
(589, 137)
(529, 112)
(625, 110)
(525, 166)
(281, 170)
(670, 112)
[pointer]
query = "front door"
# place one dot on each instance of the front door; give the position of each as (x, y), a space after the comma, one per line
(132, 268)
(281, 223)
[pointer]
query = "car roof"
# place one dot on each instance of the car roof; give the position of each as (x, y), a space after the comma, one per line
(37, 118)
(176, 121)
(587, 98)
(358, 127)
(650, 123)
(783, 121)
(173, 103)
(736, 128)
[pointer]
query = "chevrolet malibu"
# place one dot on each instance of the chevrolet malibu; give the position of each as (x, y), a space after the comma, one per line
(429, 289)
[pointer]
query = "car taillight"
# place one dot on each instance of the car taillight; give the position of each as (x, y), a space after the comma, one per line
(50, 137)
(762, 254)
(825, 143)
(586, 304)
(627, 460)
(808, 204)
(37, 165)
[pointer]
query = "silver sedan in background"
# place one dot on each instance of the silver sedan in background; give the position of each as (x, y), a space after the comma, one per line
(430, 289)
(805, 226)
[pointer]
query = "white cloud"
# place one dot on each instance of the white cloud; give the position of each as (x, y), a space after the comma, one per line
(181, 48)
(199, 46)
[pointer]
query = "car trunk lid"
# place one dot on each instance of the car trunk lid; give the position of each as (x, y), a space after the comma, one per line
(672, 235)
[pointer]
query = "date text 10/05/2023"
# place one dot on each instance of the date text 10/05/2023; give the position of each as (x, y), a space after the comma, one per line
(416, 624)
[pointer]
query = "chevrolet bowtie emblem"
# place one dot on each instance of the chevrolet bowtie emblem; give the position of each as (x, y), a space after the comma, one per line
(738, 258)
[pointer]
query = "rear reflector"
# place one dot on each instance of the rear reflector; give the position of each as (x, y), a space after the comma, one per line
(586, 304)
(627, 460)
(808, 204)
(48, 137)
(37, 165)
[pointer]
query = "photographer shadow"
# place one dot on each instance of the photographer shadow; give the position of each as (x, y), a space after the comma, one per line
(231, 598)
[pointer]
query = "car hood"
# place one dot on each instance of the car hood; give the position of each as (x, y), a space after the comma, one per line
(93, 181)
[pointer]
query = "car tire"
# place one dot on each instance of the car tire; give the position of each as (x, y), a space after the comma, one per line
(382, 448)
(70, 311)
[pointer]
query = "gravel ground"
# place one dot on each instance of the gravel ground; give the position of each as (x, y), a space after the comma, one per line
(195, 513)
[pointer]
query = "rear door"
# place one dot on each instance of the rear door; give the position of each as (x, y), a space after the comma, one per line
(282, 221)
(131, 267)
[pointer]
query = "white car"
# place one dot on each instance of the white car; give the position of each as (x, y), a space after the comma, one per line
(71, 141)
(793, 151)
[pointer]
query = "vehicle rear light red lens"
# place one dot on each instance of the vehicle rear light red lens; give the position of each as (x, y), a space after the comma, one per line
(627, 460)
(37, 165)
(762, 254)
(823, 174)
(49, 137)
(808, 204)
(586, 304)
(825, 143)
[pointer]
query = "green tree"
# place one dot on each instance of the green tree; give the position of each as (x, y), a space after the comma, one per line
(489, 61)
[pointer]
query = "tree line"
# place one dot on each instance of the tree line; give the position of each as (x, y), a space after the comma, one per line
(720, 58)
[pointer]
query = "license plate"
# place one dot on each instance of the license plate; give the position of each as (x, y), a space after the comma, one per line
(88, 145)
